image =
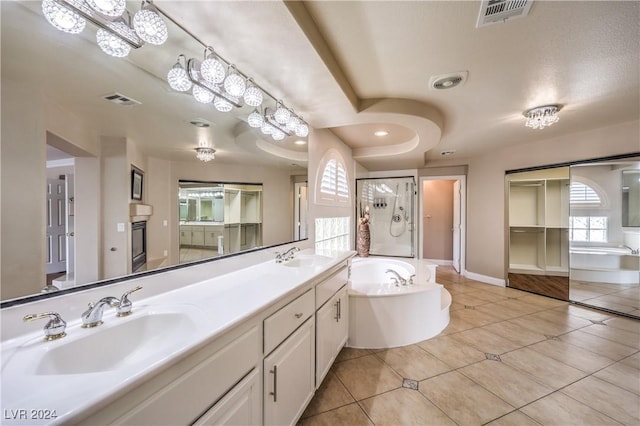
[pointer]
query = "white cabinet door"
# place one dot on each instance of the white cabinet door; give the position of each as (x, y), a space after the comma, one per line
(289, 377)
(197, 236)
(332, 331)
(241, 406)
(185, 235)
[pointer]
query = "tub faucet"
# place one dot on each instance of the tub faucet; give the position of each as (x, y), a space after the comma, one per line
(636, 251)
(397, 277)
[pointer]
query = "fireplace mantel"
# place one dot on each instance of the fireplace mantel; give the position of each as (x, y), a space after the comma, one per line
(140, 212)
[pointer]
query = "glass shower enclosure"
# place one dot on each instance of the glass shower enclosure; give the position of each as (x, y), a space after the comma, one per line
(391, 204)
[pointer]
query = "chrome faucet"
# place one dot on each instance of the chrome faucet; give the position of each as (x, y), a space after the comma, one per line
(633, 251)
(92, 317)
(287, 255)
(54, 328)
(397, 278)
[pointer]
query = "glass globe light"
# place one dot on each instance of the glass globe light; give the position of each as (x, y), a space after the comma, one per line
(178, 78)
(149, 26)
(277, 135)
(292, 123)
(282, 114)
(112, 8)
(111, 44)
(302, 130)
(221, 104)
(212, 69)
(62, 18)
(234, 84)
(255, 119)
(267, 128)
(253, 96)
(202, 95)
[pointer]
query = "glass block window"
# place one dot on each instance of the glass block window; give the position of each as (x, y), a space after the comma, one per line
(588, 229)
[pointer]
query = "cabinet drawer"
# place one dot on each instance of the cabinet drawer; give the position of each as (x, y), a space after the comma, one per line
(329, 286)
(281, 324)
(188, 397)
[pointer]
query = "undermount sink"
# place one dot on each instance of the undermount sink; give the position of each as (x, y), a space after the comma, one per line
(120, 343)
(307, 260)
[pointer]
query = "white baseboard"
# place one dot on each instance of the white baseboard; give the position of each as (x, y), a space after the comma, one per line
(485, 279)
(440, 262)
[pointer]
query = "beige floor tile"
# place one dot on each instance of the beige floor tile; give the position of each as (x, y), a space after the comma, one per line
(541, 326)
(366, 376)
(499, 311)
(570, 322)
(403, 407)
(452, 352)
(559, 409)
(413, 362)
(486, 341)
(486, 294)
(627, 324)
(619, 374)
(632, 361)
(515, 418)
(455, 306)
(547, 302)
(468, 299)
(456, 325)
(351, 353)
(609, 399)
(608, 304)
(463, 400)
(545, 369)
(511, 385)
(518, 305)
(618, 335)
(515, 333)
(351, 415)
(474, 317)
(331, 394)
(604, 347)
(584, 312)
(575, 356)
(505, 291)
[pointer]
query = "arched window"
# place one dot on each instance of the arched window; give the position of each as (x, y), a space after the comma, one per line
(581, 193)
(333, 182)
(587, 227)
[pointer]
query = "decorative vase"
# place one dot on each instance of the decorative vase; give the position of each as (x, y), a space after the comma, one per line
(364, 240)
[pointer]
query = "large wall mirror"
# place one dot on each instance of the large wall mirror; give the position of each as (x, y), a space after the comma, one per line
(76, 123)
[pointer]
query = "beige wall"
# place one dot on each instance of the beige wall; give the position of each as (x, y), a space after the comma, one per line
(485, 185)
(437, 222)
(156, 183)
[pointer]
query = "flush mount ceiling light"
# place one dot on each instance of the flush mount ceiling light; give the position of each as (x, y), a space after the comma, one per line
(115, 26)
(542, 116)
(205, 153)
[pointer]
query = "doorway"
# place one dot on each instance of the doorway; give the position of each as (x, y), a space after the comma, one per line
(443, 215)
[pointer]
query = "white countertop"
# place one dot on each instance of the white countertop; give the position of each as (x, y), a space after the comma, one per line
(218, 303)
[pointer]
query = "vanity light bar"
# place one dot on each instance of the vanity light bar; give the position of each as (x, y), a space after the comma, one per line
(193, 71)
(119, 27)
(270, 118)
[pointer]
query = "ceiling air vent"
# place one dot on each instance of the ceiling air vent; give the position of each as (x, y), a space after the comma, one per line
(448, 81)
(120, 99)
(495, 11)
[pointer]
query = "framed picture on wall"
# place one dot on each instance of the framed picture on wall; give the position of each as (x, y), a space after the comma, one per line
(136, 183)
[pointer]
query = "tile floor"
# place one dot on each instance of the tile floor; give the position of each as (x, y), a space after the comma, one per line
(617, 297)
(507, 358)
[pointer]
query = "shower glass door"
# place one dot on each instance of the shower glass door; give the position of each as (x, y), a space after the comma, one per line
(391, 214)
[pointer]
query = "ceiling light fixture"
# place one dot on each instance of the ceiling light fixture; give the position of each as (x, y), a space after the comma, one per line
(381, 133)
(542, 116)
(177, 76)
(205, 153)
(116, 28)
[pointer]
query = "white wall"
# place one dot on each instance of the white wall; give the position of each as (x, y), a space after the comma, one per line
(486, 175)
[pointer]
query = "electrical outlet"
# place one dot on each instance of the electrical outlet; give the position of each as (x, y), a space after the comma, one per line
(165, 223)
(166, 253)
(121, 227)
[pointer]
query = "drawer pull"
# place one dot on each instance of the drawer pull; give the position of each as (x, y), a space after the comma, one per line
(337, 317)
(339, 309)
(275, 383)
(298, 316)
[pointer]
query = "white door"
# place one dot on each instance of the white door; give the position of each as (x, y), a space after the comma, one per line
(456, 225)
(300, 213)
(56, 228)
(70, 224)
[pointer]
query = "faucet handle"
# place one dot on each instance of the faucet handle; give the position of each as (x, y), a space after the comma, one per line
(54, 328)
(125, 305)
(410, 280)
(395, 281)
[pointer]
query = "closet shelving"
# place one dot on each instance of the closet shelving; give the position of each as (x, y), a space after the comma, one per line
(243, 217)
(539, 226)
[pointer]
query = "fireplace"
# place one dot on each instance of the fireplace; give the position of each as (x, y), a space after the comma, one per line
(138, 245)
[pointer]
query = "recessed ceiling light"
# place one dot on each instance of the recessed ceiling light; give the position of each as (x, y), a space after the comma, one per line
(381, 133)
(300, 142)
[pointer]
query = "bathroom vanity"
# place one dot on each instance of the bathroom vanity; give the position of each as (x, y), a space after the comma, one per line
(249, 347)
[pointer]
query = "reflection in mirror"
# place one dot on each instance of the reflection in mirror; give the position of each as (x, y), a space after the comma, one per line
(90, 118)
(217, 219)
(604, 260)
(631, 198)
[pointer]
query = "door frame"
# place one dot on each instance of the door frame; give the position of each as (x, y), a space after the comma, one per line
(463, 216)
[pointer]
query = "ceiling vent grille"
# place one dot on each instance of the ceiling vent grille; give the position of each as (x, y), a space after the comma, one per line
(120, 99)
(496, 11)
(448, 81)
